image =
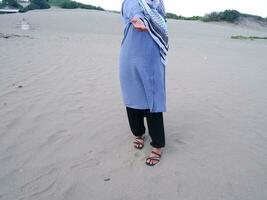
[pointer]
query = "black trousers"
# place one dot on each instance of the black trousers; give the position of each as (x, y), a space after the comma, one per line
(154, 122)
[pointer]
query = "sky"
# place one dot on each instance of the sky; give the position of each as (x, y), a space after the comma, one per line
(194, 7)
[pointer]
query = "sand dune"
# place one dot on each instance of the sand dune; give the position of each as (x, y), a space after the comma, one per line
(63, 127)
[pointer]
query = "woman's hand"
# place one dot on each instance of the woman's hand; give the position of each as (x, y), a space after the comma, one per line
(138, 24)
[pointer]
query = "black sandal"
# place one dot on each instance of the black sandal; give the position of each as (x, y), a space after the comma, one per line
(138, 144)
(156, 158)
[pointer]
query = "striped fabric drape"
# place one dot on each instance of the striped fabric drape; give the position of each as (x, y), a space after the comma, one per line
(155, 21)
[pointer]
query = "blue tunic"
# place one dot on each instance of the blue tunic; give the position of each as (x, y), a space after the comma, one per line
(141, 72)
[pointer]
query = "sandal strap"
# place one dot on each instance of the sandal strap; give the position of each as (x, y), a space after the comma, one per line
(139, 141)
(140, 137)
(136, 142)
(151, 164)
(153, 158)
(156, 153)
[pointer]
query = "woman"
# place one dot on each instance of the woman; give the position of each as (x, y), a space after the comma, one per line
(142, 73)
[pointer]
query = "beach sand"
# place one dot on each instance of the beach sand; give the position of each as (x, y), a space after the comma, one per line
(64, 132)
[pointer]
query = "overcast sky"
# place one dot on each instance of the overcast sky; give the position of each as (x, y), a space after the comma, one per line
(195, 7)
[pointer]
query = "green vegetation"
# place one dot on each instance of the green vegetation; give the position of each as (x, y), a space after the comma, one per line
(245, 37)
(231, 16)
(174, 16)
(45, 4)
(193, 18)
(227, 15)
(68, 4)
(56, 2)
(36, 4)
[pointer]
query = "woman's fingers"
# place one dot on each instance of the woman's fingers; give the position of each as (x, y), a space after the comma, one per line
(138, 24)
(145, 29)
(133, 20)
(142, 29)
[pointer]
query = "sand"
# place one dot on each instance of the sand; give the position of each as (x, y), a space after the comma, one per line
(64, 132)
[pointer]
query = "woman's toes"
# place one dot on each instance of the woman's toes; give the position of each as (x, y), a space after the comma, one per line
(153, 162)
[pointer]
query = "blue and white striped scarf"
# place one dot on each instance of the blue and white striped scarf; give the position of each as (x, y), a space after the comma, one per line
(155, 21)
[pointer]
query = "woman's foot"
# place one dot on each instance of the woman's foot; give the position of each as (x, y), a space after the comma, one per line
(139, 142)
(154, 157)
